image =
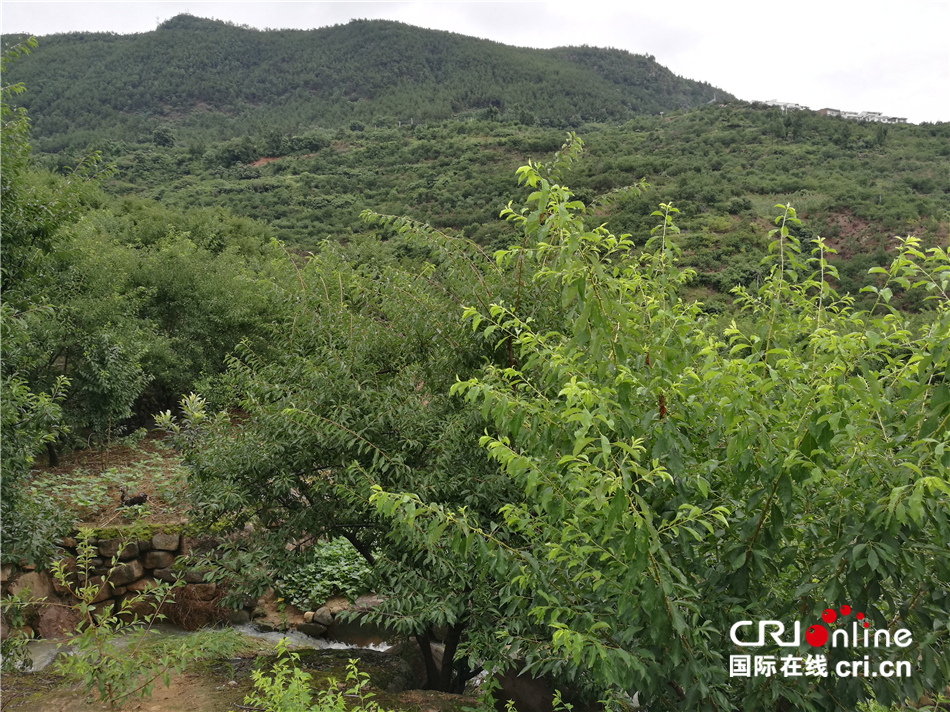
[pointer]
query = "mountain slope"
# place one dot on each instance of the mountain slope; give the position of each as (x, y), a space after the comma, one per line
(210, 78)
(725, 168)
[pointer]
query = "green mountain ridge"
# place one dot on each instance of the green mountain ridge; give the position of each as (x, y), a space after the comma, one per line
(213, 79)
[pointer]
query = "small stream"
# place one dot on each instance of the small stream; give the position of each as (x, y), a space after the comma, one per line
(43, 652)
(305, 641)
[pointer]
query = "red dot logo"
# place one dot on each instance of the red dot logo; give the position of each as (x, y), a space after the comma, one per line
(866, 624)
(845, 609)
(860, 616)
(816, 635)
(829, 615)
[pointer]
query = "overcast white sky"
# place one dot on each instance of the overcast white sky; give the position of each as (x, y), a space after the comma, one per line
(892, 57)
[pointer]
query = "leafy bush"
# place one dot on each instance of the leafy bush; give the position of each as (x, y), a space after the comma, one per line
(678, 480)
(31, 215)
(288, 689)
(329, 568)
(654, 481)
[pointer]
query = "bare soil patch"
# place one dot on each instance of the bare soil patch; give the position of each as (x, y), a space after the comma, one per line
(189, 692)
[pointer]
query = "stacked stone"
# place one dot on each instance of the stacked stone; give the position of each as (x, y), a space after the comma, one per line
(126, 571)
(122, 569)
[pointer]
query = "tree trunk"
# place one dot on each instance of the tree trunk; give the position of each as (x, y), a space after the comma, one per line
(444, 677)
(51, 454)
(448, 657)
(360, 547)
(432, 671)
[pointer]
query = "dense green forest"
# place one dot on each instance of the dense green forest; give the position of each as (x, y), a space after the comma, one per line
(212, 80)
(581, 403)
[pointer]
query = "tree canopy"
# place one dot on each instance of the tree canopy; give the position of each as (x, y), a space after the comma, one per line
(647, 480)
(109, 312)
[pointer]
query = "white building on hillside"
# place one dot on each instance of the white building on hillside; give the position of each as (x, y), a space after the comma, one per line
(872, 116)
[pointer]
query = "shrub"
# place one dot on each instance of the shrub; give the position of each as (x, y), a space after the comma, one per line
(288, 689)
(329, 568)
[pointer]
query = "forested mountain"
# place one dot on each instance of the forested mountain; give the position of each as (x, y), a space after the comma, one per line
(211, 78)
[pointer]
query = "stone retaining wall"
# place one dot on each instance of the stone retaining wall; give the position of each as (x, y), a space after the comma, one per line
(124, 570)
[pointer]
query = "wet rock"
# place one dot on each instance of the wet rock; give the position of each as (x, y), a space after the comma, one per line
(359, 632)
(323, 616)
(314, 630)
(308, 617)
(239, 617)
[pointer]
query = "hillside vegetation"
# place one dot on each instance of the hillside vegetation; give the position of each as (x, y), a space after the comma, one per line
(305, 129)
(212, 79)
(724, 167)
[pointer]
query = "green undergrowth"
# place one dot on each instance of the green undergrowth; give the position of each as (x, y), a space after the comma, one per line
(330, 568)
(87, 486)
